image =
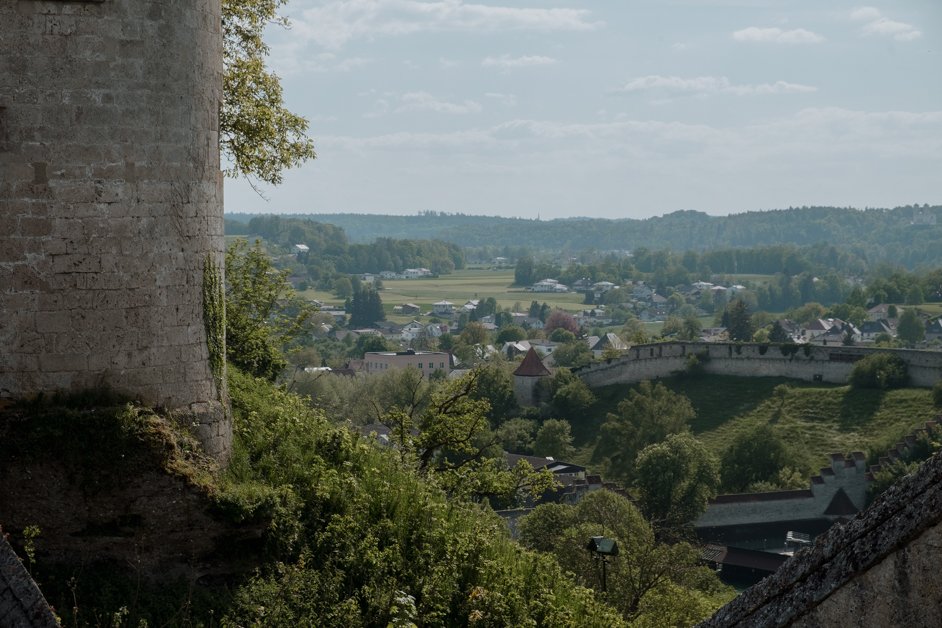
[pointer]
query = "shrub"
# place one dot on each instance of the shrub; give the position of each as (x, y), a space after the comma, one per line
(881, 371)
(937, 394)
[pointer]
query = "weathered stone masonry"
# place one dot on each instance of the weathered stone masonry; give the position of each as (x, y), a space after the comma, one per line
(111, 200)
(807, 362)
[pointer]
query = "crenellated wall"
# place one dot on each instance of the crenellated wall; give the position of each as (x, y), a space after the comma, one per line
(807, 362)
(111, 202)
(849, 475)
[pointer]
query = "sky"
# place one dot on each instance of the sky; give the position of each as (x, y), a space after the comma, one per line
(608, 108)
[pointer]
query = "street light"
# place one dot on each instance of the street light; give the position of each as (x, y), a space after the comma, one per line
(601, 548)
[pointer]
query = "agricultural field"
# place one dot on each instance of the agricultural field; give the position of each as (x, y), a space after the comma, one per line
(459, 287)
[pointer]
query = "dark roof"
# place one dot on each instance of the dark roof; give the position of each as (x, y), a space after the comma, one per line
(753, 559)
(532, 366)
(895, 519)
(841, 505)
(737, 498)
(21, 601)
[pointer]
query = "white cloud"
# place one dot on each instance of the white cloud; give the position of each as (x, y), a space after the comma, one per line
(875, 23)
(777, 35)
(290, 59)
(333, 23)
(506, 62)
(424, 101)
(711, 85)
(508, 100)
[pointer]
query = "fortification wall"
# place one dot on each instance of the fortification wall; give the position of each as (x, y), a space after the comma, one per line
(111, 201)
(849, 475)
(807, 362)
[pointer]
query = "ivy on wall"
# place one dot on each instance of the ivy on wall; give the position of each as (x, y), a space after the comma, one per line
(214, 319)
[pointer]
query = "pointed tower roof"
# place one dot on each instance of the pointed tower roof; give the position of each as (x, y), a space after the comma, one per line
(532, 366)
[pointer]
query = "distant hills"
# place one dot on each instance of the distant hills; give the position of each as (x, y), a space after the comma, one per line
(909, 235)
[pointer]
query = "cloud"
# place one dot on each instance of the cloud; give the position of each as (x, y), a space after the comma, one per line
(710, 85)
(508, 100)
(424, 101)
(777, 36)
(333, 23)
(875, 23)
(507, 63)
(289, 59)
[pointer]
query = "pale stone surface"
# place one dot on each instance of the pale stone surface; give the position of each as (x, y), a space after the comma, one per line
(22, 605)
(827, 364)
(110, 200)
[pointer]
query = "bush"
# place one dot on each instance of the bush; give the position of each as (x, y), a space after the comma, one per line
(881, 371)
(937, 394)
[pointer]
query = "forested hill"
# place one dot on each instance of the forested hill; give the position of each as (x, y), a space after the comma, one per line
(902, 235)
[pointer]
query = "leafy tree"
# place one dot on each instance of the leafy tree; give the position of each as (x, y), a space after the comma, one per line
(516, 435)
(910, 328)
(343, 288)
(881, 371)
(263, 313)
(366, 308)
(524, 273)
(644, 577)
(737, 321)
(474, 334)
(511, 333)
(562, 335)
(757, 455)
(691, 328)
(554, 438)
(369, 342)
(675, 479)
(778, 333)
(495, 385)
(561, 319)
(915, 296)
(648, 415)
(256, 130)
(573, 354)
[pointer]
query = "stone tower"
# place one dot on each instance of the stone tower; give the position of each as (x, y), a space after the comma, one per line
(111, 227)
(527, 376)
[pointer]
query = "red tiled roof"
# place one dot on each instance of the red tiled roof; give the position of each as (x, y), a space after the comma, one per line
(532, 366)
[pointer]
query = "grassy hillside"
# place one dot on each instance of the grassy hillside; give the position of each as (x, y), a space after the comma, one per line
(815, 419)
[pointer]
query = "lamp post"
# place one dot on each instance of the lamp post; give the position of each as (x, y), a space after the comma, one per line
(601, 548)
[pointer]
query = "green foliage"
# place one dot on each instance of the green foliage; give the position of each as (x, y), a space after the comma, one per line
(516, 435)
(554, 439)
(881, 371)
(910, 328)
(263, 313)
(644, 577)
(366, 308)
(561, 319)
(675, 478)
(937, 394)
(511, 333)
(737, 321)
(354, 531)
(495, 385)
(256, 130)
(648, 415)
(214, 319)
(928, 442)
(757, 455)
(573, 354)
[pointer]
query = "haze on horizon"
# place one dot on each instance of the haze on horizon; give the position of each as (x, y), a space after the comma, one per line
(608, 109)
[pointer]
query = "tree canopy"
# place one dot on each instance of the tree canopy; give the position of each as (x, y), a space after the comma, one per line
(257, 131)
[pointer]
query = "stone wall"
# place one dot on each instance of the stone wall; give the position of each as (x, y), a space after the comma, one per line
(848, 475)
(807, 362)
(22, 604)
(111, 201)
(880, 569)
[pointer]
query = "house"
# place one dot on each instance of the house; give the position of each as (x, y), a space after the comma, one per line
(882, 312)
(409, 309)
(871, 329)
(411, 331)
(301, 249)
(564, 472)
(416, 273)
(443, 308)
(608, 342)
(388, 274)
(549, 285)
(427, 362)
(471, 305)
(934, 329)
(641, 291)
(526, 321)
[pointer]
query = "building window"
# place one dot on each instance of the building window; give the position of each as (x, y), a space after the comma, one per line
(420, 365)
(431, 365)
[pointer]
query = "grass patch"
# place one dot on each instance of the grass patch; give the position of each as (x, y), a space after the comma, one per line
(814, 419)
